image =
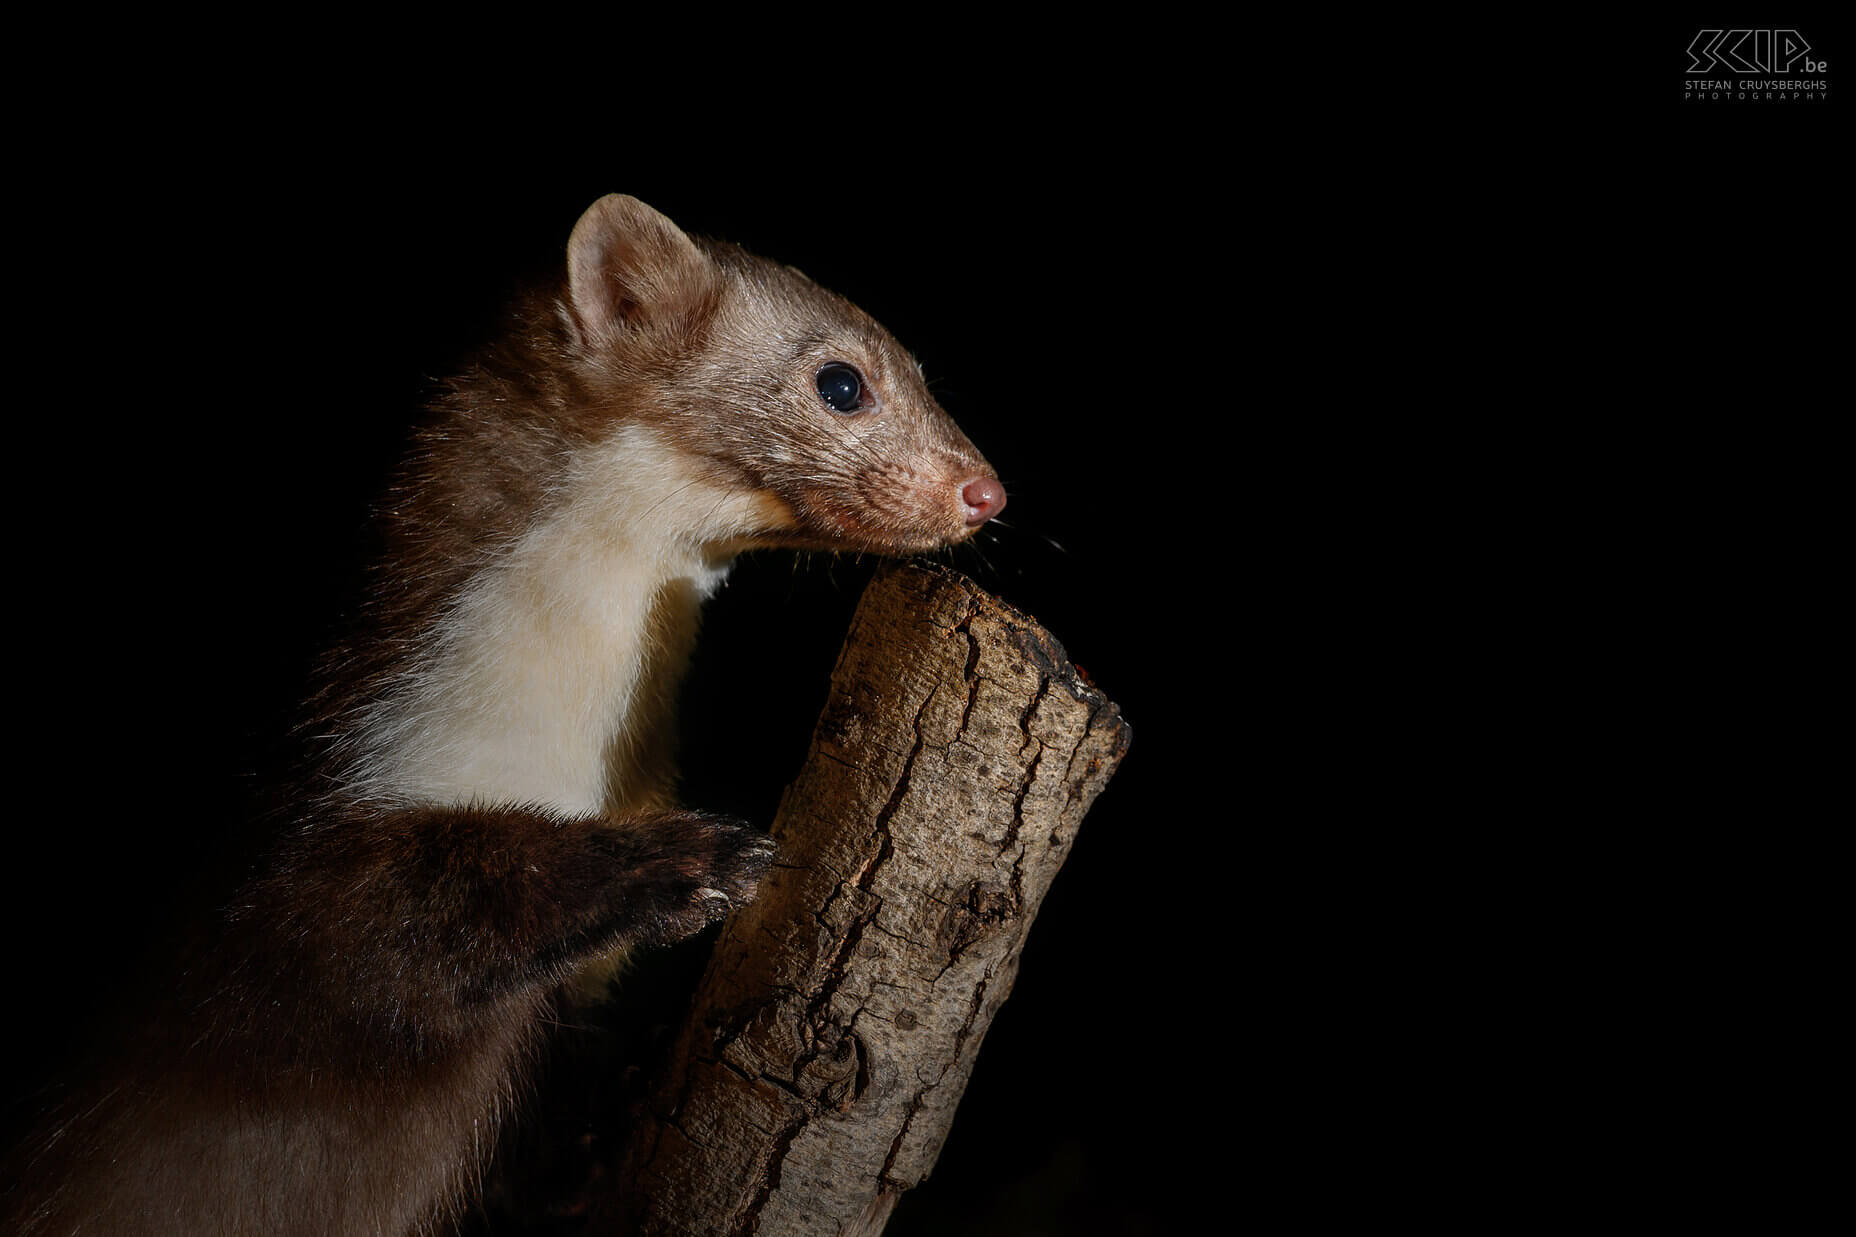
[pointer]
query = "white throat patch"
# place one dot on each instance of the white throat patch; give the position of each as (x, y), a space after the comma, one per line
(534, 671)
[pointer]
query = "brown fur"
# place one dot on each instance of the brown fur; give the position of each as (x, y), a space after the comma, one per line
(338, 1049)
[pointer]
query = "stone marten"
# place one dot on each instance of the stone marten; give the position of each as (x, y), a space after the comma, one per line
(485, 807)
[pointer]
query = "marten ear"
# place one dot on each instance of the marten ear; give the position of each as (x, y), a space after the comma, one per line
(628, 265)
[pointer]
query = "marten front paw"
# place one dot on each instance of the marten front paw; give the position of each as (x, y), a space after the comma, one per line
(682, 871)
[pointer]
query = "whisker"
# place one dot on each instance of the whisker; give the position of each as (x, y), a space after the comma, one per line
(1019, 531)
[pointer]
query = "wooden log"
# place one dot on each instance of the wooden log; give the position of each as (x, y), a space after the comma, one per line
(836, 1026)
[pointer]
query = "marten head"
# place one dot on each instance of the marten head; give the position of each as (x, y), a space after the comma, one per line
(758, 379)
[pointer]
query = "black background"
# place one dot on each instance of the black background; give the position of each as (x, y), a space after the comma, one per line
(1439, 469)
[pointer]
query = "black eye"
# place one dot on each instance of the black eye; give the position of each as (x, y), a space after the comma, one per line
(840, 386)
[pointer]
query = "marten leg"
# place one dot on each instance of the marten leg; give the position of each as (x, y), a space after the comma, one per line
(478, 903)
(357, 1027)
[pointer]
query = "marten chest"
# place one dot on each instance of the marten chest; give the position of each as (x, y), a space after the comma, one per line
(550, 679)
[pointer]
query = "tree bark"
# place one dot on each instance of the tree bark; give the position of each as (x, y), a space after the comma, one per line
(834, 1031)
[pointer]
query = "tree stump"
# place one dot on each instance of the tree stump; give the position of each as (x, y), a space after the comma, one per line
(836, 1026)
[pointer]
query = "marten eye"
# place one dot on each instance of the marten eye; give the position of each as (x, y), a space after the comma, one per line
(841, 386)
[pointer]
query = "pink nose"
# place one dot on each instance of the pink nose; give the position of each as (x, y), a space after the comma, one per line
(984, 497)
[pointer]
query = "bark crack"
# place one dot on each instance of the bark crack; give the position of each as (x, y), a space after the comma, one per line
(770, 1179)
(971, 673)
